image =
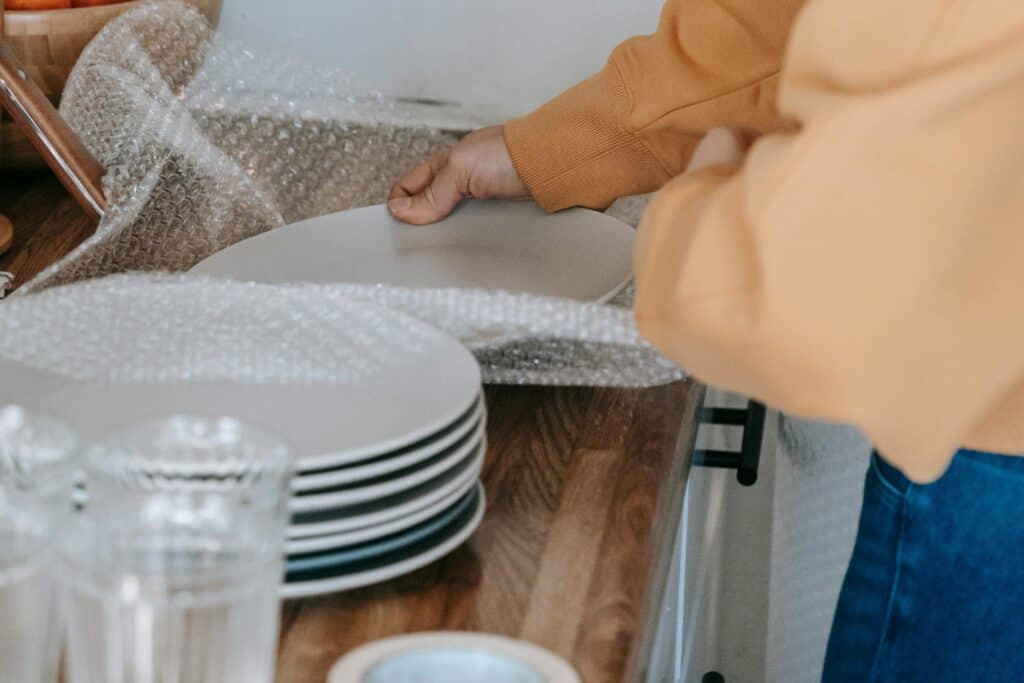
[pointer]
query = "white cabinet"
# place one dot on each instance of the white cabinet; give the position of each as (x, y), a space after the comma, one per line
(715, 615)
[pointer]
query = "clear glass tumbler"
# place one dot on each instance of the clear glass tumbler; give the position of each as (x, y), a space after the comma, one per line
(173, 572)
(37, 465)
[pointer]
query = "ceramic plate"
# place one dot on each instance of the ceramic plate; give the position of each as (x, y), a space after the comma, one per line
(451, 657)
(330, 542)
(395, 460)
(388, 508)
(405, 401)
(338, 557)
(513, 246)
(362, 491)
(369, 572)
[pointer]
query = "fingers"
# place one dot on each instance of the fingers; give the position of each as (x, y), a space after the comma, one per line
(438, 198)
(417, 180)
(479, 166)
(719, 146)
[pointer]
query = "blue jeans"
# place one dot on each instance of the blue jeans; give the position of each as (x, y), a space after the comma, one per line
(935, 588)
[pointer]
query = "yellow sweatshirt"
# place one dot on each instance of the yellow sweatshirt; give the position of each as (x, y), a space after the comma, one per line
(865, 263)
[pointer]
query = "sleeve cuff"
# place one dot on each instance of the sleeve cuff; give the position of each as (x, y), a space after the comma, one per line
(574, 151)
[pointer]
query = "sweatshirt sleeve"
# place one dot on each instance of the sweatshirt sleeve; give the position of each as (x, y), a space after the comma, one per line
(866, 267)
(632, 127)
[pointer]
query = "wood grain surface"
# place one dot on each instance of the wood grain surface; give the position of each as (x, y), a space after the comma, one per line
(47, 222)
(6, 233)
(584, 487)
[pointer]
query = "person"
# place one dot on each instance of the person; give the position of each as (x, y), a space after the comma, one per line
(861, 261)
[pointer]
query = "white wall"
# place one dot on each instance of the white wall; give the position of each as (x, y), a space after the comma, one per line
(499, 57)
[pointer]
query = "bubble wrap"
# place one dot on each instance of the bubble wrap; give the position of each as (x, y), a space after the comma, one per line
(171, 328)
(207, 144)
(153, 328)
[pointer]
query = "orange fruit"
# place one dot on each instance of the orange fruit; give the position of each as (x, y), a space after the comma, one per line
(37, 4)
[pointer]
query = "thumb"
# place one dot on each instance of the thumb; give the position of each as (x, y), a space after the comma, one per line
(434, 202)
(719, 146)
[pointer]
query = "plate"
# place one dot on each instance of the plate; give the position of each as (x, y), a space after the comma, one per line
(389, 508)
(369, 572)
(327, 424)
(329, 542)
(513, 246)
(451, 657)
(395, 460)
(337, 557)
(360, 492)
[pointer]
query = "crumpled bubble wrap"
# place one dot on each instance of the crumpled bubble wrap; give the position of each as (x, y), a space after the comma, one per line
(159, 328)
(207, 144)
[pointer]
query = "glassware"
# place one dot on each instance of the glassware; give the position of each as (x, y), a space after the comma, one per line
(173, 573)
(36, 477)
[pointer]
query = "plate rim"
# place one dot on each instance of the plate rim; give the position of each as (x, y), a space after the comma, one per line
(433, 525)
(358, 454)
(461, 428)
(356, 664)
(372, 532)
(326, 501)
(472, 471)
(289, 591)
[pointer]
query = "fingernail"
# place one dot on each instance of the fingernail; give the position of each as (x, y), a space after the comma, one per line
(400, 203)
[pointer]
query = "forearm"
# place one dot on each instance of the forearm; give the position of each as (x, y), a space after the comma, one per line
(633, 126)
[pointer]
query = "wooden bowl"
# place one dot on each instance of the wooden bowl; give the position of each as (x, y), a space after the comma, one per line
(48, 43)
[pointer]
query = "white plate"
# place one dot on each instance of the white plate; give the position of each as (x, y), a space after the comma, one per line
(354, 558)
(466, 449)
(394, 461)
(389, 508)
(433, 657)
(389, 571)
(316, 544)
(513, 246)
(402, 403)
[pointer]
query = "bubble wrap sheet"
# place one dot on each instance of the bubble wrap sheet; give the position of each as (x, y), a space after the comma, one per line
(207, 144)
(173, 328)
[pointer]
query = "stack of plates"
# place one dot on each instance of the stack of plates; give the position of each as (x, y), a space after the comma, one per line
(360, 517)
(367, 515)
(388, 463)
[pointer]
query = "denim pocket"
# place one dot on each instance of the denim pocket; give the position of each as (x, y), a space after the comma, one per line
(891, 482)
(859, 641)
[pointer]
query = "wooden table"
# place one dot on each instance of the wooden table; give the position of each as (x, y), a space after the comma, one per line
(584, 487)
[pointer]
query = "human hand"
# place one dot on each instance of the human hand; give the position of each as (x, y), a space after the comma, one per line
(720, 146)
(479, 166)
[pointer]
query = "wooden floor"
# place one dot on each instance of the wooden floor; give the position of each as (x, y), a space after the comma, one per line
(584, 488)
